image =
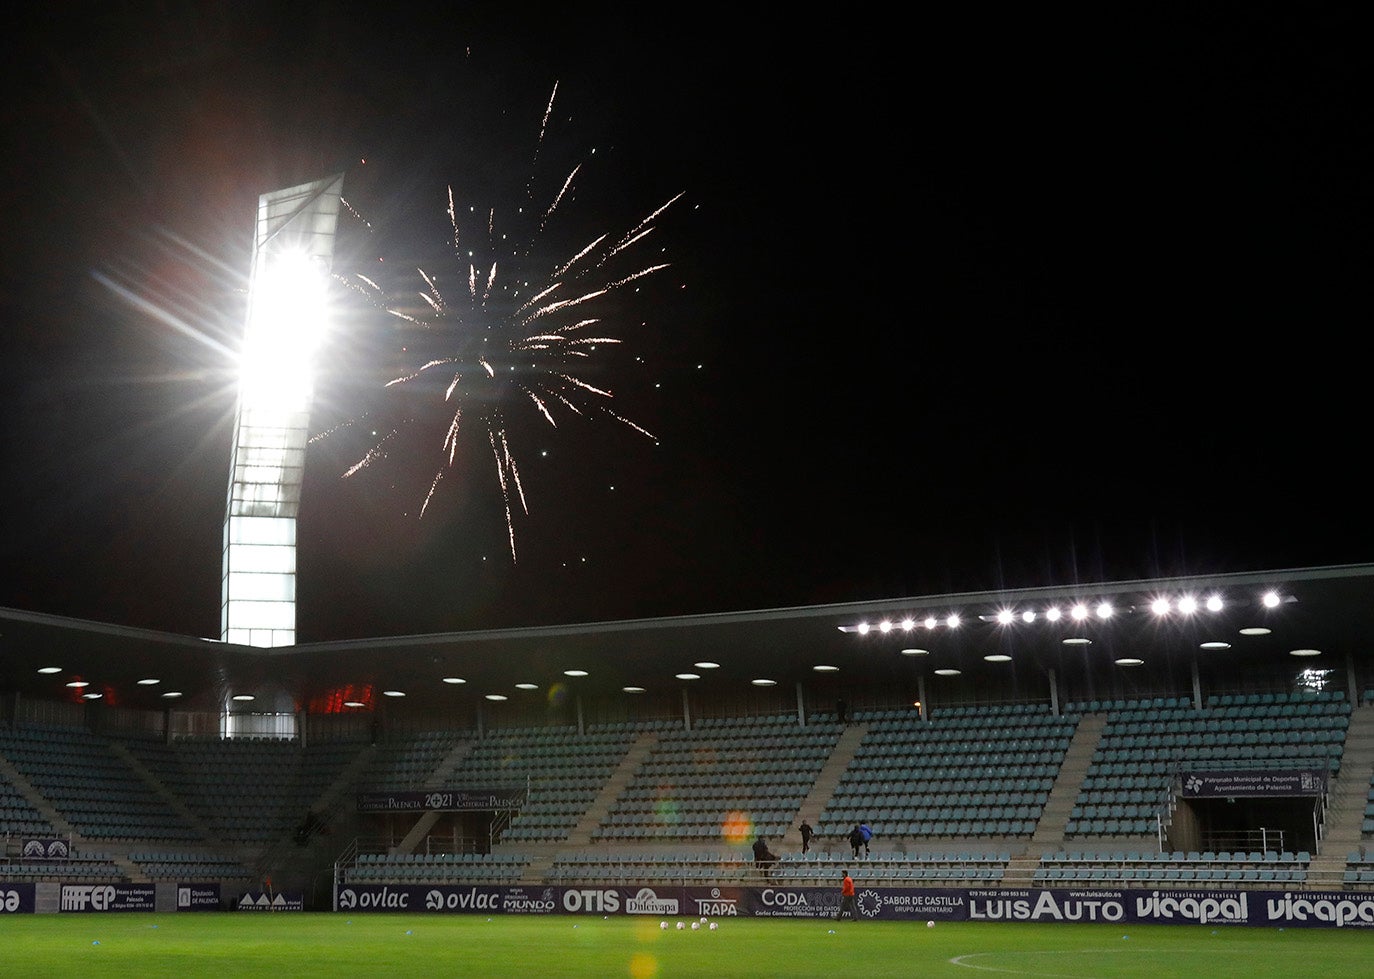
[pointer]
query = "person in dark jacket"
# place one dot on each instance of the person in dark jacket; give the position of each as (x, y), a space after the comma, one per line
(856, 840)
(806, 832)
(764, 858)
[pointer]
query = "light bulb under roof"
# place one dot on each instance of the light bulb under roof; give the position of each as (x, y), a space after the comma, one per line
(574, 672)
(947, 671)
(1271, 599)
(243, 697)
(1105, 610)
(354, 703)
(149, 682)
(931, 622)
(50, 669)
(885, 626)
(908, 624)
(1304, 652)
(1214, 603)
(633, 689)
(172, 693)
(1215, 644)
(1076, 641)
(1079, 612)
(825, 668)
(687, 676)
(454, 679)
(1028, 616)
(1187, 604)
(496, 696)
(1129, 661)
(952, 620)
(527, 686)
(393, 693)
(1005, 616)
(763, 682)
(915, 651)
(997, 658)
(707, 665)
(1052, 613)
(1254, 630)
(78, 684)
(1160, 606)
(91, 696)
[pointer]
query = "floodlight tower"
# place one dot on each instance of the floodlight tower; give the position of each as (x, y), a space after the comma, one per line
(293, 248)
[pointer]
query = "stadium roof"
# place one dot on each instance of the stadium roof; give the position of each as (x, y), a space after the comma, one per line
(1327, 611)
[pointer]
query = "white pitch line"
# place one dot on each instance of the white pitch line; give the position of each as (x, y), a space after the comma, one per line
(960, 960)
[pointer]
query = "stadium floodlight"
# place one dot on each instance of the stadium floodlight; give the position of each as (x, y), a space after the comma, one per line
(293, 248)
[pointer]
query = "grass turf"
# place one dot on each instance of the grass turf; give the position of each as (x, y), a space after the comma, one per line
(391, 945)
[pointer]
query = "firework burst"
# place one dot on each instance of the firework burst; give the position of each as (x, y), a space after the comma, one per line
(501, 328)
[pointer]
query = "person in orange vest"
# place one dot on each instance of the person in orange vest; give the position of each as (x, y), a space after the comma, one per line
(847, 898)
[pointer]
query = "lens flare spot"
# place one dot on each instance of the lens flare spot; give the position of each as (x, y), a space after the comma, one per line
(558, 695)
(667, 811)
(738, 827)
(643, 966)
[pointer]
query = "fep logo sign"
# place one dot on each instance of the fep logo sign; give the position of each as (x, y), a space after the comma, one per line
(16, 898)
(108, 897)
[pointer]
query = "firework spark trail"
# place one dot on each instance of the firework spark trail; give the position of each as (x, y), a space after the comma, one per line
(494, 356)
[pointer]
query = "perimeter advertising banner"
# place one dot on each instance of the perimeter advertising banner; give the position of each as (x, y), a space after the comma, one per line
(108, 897)
(198, 897)
(16, 898)
(1322, 909)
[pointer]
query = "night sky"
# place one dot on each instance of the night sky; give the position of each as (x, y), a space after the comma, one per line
(961, 304)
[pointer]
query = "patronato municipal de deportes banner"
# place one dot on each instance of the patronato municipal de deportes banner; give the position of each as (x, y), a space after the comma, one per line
(443, 800)
(1252, 782)
(1319, 909)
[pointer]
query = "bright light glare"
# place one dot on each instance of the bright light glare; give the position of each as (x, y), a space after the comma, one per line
(1104, 610)
(1080, 612)
(286, 324)
(1160, 606)
(1271, 599)
(1004, 616)
(1187, 604)
(1214, 603)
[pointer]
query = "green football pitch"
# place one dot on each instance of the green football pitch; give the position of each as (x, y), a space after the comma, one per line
(290, 945)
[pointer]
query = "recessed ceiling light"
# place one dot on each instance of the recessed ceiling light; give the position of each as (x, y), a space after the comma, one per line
(764, 683)
(687, 676)
(574, 672)
(527, 686)
(947, 672)
(78, 684)
(1216, 644)
(454, 679)
(1129, 661)
(1304, 652)
(243, 696)
(91, 696)
(393, 693)
(912, 651)
(707, 665)
(633, 689)
(50, 669)
(354, 703)
(149, 682)
(823, 668)
(172, 693)
(997, 658)
(496, 696)
(1255, 630)
(1077, 641)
